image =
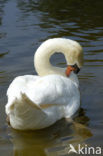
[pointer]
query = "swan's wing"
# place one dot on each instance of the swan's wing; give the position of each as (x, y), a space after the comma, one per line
(20, 84)
(17, 91)
(58, 91)
(54, 90)
(44, 92)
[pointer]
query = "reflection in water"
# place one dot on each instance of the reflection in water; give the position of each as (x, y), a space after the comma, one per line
(3, 54)
(67, 18)
(3, 75)
(2, 4)
(52, 140)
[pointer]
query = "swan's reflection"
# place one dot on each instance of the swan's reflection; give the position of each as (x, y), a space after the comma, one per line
(52, 140)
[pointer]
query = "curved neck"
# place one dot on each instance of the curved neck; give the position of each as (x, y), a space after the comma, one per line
(48, 48)
(42, 58)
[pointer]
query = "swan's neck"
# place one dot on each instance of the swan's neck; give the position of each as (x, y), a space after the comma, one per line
(43, 65)
(43, 54)
(69, 48)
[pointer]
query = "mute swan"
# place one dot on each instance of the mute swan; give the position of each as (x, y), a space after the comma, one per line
(36, 102)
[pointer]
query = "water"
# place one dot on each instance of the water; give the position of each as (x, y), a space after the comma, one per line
(24, 24)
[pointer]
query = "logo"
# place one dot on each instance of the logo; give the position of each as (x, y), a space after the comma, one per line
(72, 149)
(84, 150)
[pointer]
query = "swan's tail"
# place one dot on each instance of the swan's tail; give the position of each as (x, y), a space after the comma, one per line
(23, 101)
(29, 102)
(25, 114)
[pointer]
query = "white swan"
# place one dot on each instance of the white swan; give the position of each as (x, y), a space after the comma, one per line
(36, 102)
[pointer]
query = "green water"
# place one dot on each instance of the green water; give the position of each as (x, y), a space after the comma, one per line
(24, 25)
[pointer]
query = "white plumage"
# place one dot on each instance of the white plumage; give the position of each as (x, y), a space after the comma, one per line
(36, 102)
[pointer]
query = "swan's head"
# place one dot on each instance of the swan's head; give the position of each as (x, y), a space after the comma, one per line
(71, 68)
(74, 56)
(71, 49)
